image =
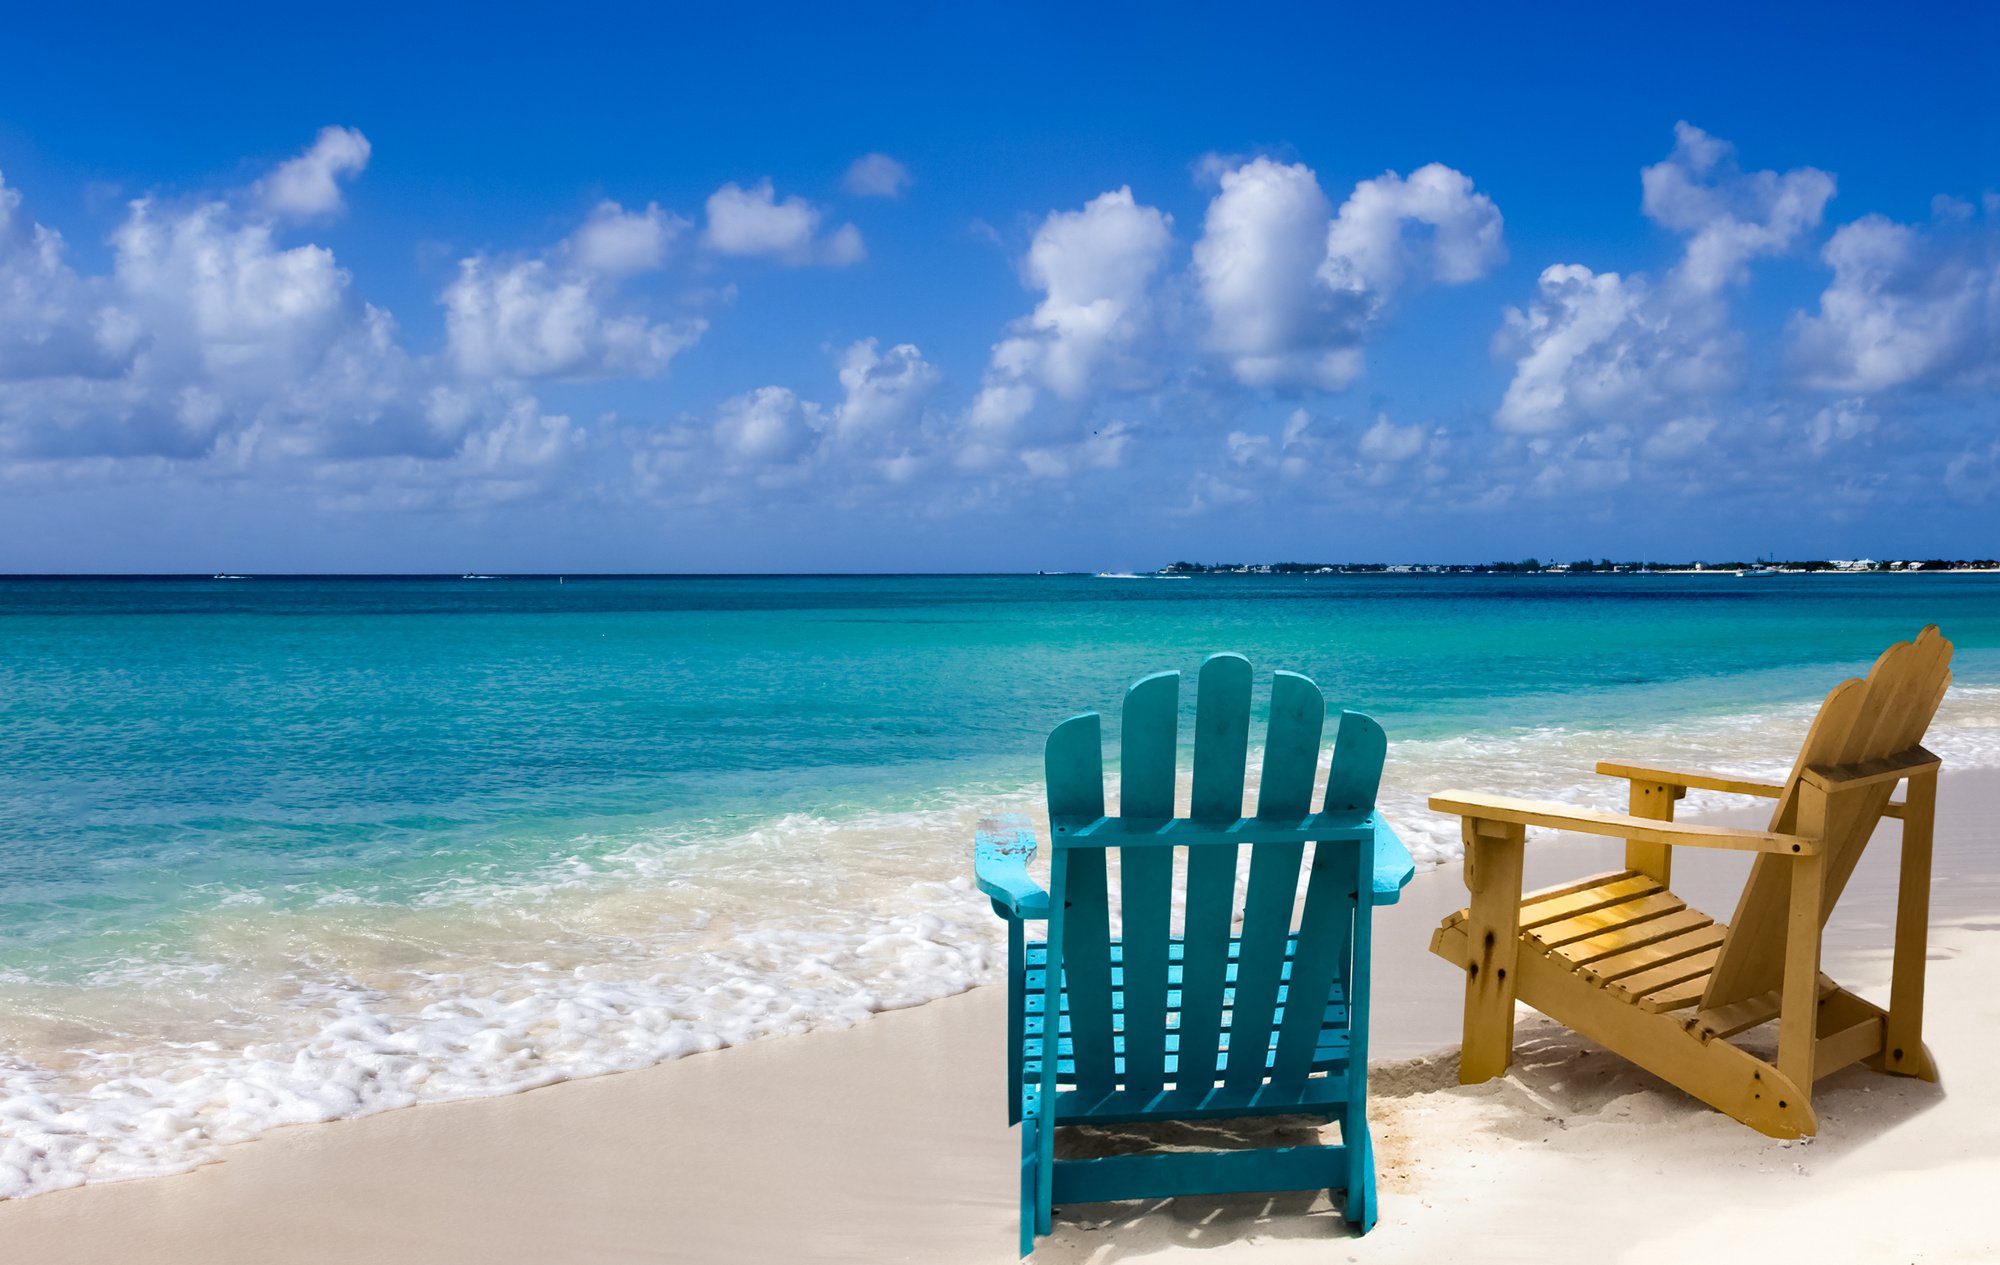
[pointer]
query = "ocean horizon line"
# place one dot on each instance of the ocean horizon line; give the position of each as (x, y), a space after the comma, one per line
(1394, 570)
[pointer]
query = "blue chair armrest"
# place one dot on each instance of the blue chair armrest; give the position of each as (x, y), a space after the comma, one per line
(1393, 866)
(1001, 851)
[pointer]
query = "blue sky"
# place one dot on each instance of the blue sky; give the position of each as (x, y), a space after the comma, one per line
(1001, 287)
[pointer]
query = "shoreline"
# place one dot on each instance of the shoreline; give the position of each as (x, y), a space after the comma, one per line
(886, 1141)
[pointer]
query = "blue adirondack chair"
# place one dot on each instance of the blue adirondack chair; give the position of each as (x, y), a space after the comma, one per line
(1206, 1024)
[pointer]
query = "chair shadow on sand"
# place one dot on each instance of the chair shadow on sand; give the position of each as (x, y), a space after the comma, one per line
(1558, 1081)
(1203, 1220)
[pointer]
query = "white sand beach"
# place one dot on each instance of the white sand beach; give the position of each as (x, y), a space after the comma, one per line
(887, 1142)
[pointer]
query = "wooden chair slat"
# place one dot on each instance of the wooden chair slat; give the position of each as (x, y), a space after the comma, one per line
(1148, 734)
(1674, 996)
(1355, 778)
(1267, 917)
(1291, 760)
(1073, 767)
(1325, 926)
(1221, 737)
(1086, 969)
(1635, 935)
(1291, 746)
(1616, 967)
(1221, 752)
(1538, 896)
(1607, 918)
(1537, 914)
(1148, 737)
(1678, 970)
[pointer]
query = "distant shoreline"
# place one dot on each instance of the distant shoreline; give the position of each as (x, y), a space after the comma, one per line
(1858, 566)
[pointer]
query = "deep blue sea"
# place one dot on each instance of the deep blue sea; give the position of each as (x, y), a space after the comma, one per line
(279, 850)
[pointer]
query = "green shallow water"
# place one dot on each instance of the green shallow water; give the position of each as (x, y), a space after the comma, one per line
(173, 743)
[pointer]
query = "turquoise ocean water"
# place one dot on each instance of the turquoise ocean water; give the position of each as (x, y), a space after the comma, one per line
(283, 850)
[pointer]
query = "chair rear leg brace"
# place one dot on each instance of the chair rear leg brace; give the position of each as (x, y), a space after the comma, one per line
(1017, 996)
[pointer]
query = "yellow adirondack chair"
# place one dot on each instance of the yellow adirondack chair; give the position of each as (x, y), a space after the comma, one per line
(1619, 958)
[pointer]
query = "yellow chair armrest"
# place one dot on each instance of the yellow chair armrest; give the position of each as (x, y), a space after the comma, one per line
(1527, 812)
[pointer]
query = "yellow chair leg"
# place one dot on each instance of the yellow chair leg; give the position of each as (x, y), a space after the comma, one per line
(1903, 1050)
(1493, 853)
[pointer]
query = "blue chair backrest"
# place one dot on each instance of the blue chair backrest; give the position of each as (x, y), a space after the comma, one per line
(1247, 1010)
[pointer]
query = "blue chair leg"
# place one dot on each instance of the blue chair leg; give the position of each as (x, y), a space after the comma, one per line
(1358, 1205)
(1030, 1216)
(1045, 1176)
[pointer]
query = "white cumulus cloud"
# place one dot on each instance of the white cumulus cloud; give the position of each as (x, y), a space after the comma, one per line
(1731, 215)
(615, 242)
(1096, 268)
(1371, 245)
(1907, 306)
(876, 176)
(554, 317)
(1594, 344)
(1596, 347)
(767, 426)
(1292, 287)
(772, 438)
(309, 184)
(1386, 441)
(753, 222)
(196, 291)
(1258, 265)
(48, 322)
(213, 348)
(884, 391)
(1316, 463)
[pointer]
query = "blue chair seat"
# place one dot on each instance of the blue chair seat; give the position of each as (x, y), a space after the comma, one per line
(1317, 1095)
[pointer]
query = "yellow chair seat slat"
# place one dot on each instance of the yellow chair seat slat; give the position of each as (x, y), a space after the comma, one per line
(1617, 968)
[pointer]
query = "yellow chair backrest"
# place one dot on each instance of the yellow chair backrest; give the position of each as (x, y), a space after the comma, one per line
(1874, 718)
